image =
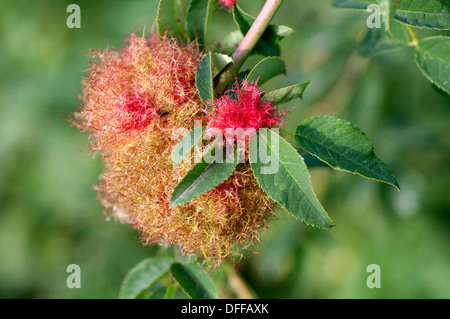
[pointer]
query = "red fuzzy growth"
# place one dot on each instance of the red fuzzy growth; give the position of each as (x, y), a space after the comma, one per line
(139, 110)
(246, 112)
(227, 3)
(129, 88)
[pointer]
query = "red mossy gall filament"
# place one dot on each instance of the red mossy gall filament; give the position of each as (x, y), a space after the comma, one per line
(227, 3)
(128, 88)
(246, 111)
(140, 110)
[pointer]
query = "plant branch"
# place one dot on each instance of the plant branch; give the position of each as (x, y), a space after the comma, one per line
(248, 43)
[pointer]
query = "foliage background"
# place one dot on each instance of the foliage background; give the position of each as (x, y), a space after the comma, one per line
(50, 217)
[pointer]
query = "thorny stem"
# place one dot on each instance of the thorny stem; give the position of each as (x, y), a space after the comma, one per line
(413, 36)
(248, 43)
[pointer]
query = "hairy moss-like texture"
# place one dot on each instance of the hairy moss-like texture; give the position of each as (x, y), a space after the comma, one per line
(133, 99)
(228, 4)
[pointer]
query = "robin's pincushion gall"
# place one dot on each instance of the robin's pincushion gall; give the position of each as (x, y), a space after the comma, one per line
(133, 99)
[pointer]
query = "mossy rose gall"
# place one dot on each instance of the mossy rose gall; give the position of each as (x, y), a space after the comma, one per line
(133, 99)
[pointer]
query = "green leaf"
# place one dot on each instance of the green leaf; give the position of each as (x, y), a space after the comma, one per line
(311, 161)
(432, 14)
(204, 79)
(143, 276)
(159, 293)
(167, 19)
(266, 69)
(377, 41)
(229, 42)
(206, 175)
(197, 19)
(285, 94)
(152, 293)
(194, 281)
(432, 56)
(353, 4)
(285, 177)
(170, 292)
(267, 45)
(219, 62)
(343, 146)
(281, 30)
(145, 294)
(186, 145)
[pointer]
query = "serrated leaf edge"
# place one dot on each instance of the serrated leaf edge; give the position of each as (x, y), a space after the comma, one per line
(347, 171)
(309, 178)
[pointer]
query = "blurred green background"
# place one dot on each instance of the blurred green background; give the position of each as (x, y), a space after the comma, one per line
(50, 217)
